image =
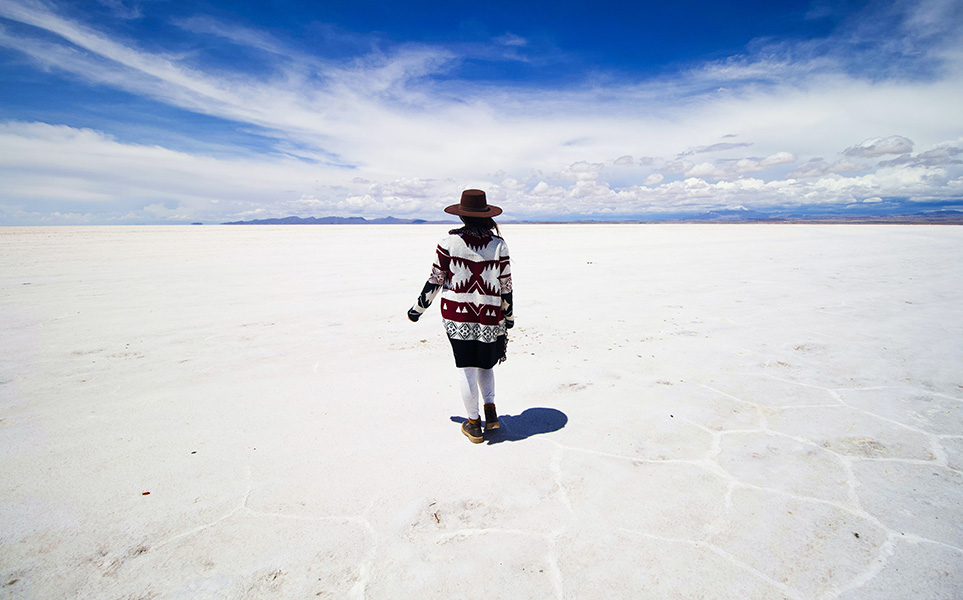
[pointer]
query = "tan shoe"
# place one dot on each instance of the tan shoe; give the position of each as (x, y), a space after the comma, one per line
(472, 430)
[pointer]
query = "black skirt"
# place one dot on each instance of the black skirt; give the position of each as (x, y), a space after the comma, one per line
(478, 354)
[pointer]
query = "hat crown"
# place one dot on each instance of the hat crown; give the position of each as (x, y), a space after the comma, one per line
(474, 201)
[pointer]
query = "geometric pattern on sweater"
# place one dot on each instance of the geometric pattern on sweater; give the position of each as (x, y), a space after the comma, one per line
(473, 331)
(473, 269)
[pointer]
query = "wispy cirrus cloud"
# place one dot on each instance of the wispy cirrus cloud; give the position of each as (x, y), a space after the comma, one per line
(717, 147)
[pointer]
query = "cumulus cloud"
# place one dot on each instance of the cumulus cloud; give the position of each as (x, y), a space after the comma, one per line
(752, 165)
(511, 183)
(654, 179)
(582, 171)
(871, 148)
(695, 194)
(624, 161)
(705, 170)
(543, 189)
(730, 168)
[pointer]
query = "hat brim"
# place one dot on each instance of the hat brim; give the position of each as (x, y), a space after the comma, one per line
(490, 211)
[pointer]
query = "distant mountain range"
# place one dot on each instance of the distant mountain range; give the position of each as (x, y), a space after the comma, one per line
(949, 217)
(952, 217)
(330, 221)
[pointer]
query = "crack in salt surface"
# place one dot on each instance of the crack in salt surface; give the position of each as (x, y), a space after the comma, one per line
(442, 538)
(242, 506)
(718, 470)
(911, 537)
(886, 551)
(909, 461)
(792, 593)
(834, 392)
(358, 591)
(556, 467)
(556, 572)
(557, 472)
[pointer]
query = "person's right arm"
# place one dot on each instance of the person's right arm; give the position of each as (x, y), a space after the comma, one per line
(439, 274)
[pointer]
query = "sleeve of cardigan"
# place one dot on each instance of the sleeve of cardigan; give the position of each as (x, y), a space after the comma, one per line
(424, 300)
(505, 282)
(439, 269)
(504, 269)
(438, 277)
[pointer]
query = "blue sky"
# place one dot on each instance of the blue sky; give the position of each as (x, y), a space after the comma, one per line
(161, 111)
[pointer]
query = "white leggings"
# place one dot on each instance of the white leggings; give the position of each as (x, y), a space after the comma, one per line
(472, 379)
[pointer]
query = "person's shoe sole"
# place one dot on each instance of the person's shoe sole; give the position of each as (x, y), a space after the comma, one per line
(474, 439)
(490, 426)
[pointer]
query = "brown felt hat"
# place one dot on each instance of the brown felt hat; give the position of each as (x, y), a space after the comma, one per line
(473, 204)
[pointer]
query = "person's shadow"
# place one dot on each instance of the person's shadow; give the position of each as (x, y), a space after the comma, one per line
(532, 421)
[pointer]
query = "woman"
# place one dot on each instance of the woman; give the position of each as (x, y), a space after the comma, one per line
(472, 266)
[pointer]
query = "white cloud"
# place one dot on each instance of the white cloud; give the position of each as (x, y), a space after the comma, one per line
(402, 188)
(582, 171)
(944, 155)
(510, 39)
(753, 165)
(123, 10)
(624, 161)
(86, 167)
(731, 168)
(871, 148)
(719, 147)
(543, 189)
(510, 183)
(677, 166)
(817, 167)
(705, 170)
(242, 36)
(654, 179)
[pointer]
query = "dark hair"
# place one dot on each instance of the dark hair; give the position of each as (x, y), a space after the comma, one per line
(482, 223)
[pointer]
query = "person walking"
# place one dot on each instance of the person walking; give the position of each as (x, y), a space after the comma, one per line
(473, 269)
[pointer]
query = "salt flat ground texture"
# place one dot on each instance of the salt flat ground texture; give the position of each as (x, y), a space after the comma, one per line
(689, 412)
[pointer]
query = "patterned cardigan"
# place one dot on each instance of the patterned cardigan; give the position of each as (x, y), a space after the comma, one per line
(474, 270)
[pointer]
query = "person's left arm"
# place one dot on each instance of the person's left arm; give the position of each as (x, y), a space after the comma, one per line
(505, 283)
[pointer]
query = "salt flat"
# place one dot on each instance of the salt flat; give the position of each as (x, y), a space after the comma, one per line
(691, 411)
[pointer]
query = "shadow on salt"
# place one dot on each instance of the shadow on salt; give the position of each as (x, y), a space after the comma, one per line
(532, 421)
